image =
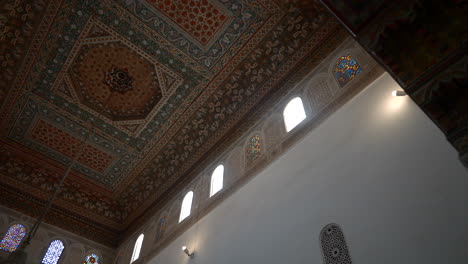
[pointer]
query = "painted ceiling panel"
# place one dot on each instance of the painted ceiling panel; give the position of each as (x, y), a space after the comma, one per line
(144, 88)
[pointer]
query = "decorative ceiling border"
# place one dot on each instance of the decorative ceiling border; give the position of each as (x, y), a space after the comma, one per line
(201, 178)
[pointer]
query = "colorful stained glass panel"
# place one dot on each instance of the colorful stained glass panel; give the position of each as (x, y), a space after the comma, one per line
(13, 237)
(253, 148)
(92, 259)
(53, 253)
(346, 69)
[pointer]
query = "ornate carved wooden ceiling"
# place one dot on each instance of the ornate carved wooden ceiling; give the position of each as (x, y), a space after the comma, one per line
(422, 44)
(148, 87)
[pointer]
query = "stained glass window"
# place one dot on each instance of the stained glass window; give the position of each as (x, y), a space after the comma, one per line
(53, 253)
(253, 148)
(186, 206)
(293, 113)
(161, 228)
(217, 180)
(92, 259)
(346, 69)
(13, 238)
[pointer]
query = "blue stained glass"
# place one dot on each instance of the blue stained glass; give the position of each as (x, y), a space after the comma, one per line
(53, 253)
(13, 237)
(346, 69)
(92, 259)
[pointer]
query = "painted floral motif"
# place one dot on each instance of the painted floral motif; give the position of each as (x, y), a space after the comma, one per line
(61, 141)
(119, 80)
(252, 51)
(13, 237)
(200, 18)
(18, 21)
(32, 173)
(262, 66)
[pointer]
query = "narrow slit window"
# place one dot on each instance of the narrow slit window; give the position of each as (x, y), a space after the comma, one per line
(217, 180)
(293, 114)
(186, 206)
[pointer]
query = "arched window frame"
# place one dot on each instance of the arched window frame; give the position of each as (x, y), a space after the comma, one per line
(137, 248)
(59, 257)
(297, 106)
(21, 239)
(354, 55)
(334, 246)
(96, 255)
(186, 207)
(246, 149)
(161, 226)
(217, 180)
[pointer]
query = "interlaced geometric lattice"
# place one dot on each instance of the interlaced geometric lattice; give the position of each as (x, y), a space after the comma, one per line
(201, 18)
(334, 248)
(253, 149)
(13, 237)
(92, 259)
(53, 253)
(346, 69)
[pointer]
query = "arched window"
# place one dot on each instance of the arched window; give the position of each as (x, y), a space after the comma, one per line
(161, 228)
(334, 246)
(92, 259)
(53, 253)
(137, 248)
(346, 68)
(13, 237)
(293, 113)
(253, 148)
(186, 206)
(217, 180)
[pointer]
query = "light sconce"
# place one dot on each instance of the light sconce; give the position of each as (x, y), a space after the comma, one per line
(186, 251)
(398, 93)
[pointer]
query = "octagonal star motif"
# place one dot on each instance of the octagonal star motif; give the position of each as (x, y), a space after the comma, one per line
(119, 80)
(114, 79)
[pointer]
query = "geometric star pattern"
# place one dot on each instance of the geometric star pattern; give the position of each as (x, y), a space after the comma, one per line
(146, 88)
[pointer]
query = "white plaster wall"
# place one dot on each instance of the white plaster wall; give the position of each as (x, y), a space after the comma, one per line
(76, 247)
(378, 167)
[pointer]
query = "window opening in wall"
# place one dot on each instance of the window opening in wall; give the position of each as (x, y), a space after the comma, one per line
(13, 237)
(92, 259)
(217, 180)
(186, 206)
(293, 113)
(346, 68)
(253, 149)
(334, 246)
(161, 228)
(137, 248)
(53, 253)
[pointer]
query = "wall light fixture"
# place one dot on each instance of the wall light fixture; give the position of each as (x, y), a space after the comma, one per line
(398, 93)
(186, 251)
